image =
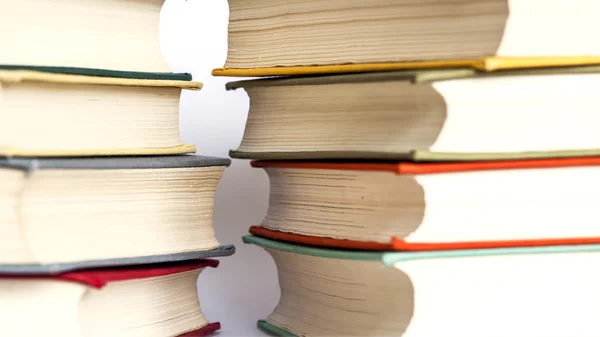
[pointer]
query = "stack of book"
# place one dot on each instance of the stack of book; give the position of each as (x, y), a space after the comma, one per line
(454, 141)
(105, 221)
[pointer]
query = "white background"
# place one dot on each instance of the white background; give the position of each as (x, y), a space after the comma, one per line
(244, 287)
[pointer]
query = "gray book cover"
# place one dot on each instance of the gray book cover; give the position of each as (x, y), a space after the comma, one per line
(114, 163)
(59, 268)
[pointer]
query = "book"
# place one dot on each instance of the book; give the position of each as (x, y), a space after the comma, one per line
(148, 300)
(425, 115)
(71, 113)
(467, 293)
(62, 214)
(433, 206)
(104, 34)
(303, 37)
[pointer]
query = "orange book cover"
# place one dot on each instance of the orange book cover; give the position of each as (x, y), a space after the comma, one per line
(397, 244)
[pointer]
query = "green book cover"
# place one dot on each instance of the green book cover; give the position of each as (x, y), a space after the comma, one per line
(312, 251)
(273, 330)
(390, 258)
(102, 72)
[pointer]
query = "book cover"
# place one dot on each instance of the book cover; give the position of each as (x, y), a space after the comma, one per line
(9, 74)
(114, 163)
(100, 277)
(60, 268)
(320, 241)
(487, 64)
(312, 251)
(391, 258)
(101, 72)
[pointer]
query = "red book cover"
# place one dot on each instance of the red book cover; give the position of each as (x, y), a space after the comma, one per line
(204, 331)
(98, 278)
(319, 241)
(402, 168)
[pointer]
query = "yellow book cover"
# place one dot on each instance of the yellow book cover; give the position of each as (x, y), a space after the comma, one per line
(487, 64)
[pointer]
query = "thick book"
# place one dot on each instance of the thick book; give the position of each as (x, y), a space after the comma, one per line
(306, 37)
(433, 206)
(81, 112)
(104, 34)
(149, 300)
(64, 214)
(541, 291)
(423, 115)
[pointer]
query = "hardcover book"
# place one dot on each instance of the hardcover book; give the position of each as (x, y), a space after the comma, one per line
(466, 293)
(84, 112)
(433, 206)
(425, 115)
(64, 214)
(308, 37)
(148, 300)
